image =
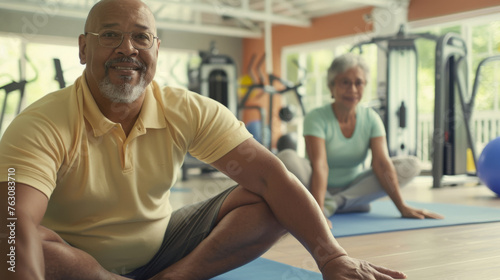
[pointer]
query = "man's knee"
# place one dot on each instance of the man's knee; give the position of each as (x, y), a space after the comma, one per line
(268, 229)
(272, 228)
(257, 207)
(237, 198)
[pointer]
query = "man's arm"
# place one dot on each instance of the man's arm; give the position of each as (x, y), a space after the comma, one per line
(259, 171)
(20, 244)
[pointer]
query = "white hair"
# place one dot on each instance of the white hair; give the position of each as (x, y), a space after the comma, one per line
(343, 63)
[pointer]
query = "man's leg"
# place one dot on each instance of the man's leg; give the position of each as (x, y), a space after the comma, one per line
(65, 262)
(245, 229)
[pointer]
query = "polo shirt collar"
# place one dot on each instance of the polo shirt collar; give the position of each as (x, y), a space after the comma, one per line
(151, 115)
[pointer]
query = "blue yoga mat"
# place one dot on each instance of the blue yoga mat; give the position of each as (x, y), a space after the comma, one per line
(385, 217)
(264, 269)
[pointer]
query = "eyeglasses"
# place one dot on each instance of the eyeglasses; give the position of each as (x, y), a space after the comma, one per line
(114, 38)
(347, 84)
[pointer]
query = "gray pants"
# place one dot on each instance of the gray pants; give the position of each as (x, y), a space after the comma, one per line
(356, 196)
(187, 228)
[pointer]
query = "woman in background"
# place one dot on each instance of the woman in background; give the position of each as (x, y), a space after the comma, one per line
(338, 137)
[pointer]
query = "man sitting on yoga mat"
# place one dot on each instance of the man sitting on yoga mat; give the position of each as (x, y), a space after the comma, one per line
(338, 137)
(93, 165)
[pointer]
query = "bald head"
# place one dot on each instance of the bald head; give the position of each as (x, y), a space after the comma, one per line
(101, 9)
(119, 73)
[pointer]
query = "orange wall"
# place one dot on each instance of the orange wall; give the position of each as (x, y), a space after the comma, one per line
(323, 28)
(422, 9)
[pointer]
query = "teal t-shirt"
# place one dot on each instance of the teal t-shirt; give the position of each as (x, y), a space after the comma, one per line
(345, 156)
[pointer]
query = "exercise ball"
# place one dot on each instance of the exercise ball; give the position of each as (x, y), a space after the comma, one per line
(488, 166)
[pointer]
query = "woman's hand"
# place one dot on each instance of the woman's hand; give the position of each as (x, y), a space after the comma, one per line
(347, 268)
(414, 213)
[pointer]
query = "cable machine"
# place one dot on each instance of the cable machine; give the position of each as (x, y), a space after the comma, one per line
(452, 110)
(218, 78)
(398, 108)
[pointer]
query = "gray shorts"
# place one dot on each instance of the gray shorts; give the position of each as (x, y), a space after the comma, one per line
(187, 228)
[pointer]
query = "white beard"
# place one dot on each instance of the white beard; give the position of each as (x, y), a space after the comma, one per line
(124, 93)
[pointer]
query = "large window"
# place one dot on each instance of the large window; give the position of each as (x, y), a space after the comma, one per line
(482, 37)
(34, 63)
(426, 50)
(174, 67)
(41, 67)
(485, 41)
(10, 59)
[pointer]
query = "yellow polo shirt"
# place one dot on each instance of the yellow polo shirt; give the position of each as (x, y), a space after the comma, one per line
(108, 193)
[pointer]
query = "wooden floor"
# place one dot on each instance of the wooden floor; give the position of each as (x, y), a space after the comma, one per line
(470, 252)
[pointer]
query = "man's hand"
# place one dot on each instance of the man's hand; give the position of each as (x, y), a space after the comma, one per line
(347, 268)
(414, 213)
